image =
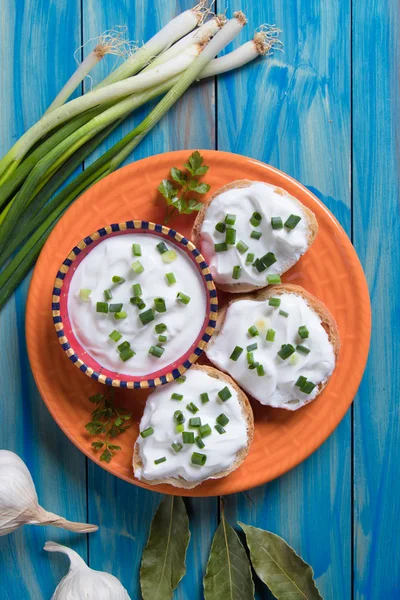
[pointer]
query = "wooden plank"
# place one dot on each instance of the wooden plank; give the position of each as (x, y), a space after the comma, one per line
(376, 130)
(124, 510)
(36, 57)
(293, 111)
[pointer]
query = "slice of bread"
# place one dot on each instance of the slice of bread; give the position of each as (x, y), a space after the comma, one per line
(238, 287)
(248, 417)
(327, 321)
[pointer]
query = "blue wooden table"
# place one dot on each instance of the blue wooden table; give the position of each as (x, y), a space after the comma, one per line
(326, 111)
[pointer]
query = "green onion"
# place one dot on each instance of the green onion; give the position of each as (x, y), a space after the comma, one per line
(199, 442)
(84, 294)
(260, 370)
(273, 278)
(176, 396)
(259, 265)
(253, 365)
(230, 219)
(242, 247)
(230, 236)
(115, 336)
(220, 227)
(181, 379)
(302, 349)
(205, 430)
(222, 419)
(276, 223)
(147, 316)
(102, 307)
(127, 354)
(137, 301)
(136, 250)
(137, 267)
(198, 459)
(283, 313)
(204, 398)
(236, 353)
(158, 461)
(255, 235)
(156, 351)
(270, 337)
(252, 347)
(177, 446)
(162, 247)
(117, 279)
(292, 221)
(250, 358)
(268, 259)
(181, 297)
(188, 437)
(195, 422)
(169, 257)
(255, 219)
(120, 315)
(221, 247)
(224, 394)
(307, 387)
(113, 308)
(171, 279)
(274, 302)
(179, 417)
(236, 271)
(192, 408)
(137, 289)
(303, 332)
(286, 351)
(160, 328)
(147, 432)
(162, 339)
(219, 428)
(123, 346)
(252, 331)
(249, 258)
(301, 381)
(159, 305)
(180, 428)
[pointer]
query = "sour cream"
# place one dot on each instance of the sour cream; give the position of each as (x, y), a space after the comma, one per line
(220, 449)
(277, 387)
(113, 256)
(286, 244)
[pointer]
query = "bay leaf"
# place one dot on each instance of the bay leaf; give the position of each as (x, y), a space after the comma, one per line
(228, 575)
(278, 566)
(164, 558)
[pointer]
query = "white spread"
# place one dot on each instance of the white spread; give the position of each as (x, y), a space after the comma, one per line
(221, 449)
(286, 244)
(277, 387)
(113, 256)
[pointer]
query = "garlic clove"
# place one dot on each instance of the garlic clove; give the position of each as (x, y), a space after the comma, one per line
(83, 582)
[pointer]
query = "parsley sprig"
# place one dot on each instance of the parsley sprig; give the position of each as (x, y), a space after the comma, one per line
(107, 420)
(176, 197)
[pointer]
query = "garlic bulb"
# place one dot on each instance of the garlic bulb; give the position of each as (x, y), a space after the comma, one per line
(19, 501)
(82, 582)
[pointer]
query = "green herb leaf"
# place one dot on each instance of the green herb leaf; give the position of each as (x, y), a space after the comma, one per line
(167, 190)
(178, 176)
(106, 456)
(163, 560)
(96, 398)
(200, 188)
(112, 447)
(195, 164)
(228, 573)
(97, 445)
(95, 427)
(287, 576)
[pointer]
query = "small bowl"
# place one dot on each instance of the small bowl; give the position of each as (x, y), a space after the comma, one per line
(77, 353)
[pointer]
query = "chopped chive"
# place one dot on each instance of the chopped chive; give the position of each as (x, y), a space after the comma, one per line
(198, 459)
(249, 258)
(108, 294)
(147, 316)
(250, 358)
(292, 221)
(176, 396)
(268, 259)
(253, 365)
(177, 446)
(236, 271)
(205, 430)
(230, 219)
(183, 298)
(137, 267)
(115, 336)
(222, 419)
(171, 279)
(255, 235)
(252, 331)
(307, 387)
(260, 370)
(301, 381)
(162, 339)
(158, 461)
(236, 353)
(181, 379)
(102, 307)
(188, 437)
(242, 247)
(136, 250)
(273, 278)
(156, 351)
(117, 279)
(276, 223)
(180, 428)
(221, 247)
(147, 432)
(284, 313)
(118, 316)
(220, 227)
(294, 359)
(252, 347)
(179, 417)
(114, 308)
(199, 442)
(302, 349)
(303, 332)
(219, 428)
(270, 337)
(192, 407)
(160, 328)
(123, 346)
(137, 289)
(286, 351)
(274, 302)
(169, 257)
(230, 236)
(204, 398)
(159, 305)
(162, 247)
(259, 265)
(195, 422)
(224, 394)
(84, 294)
(127, 354)
(255, 219)
(138, 302)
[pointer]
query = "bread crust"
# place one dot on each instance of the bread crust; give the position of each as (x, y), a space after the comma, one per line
(248, 415)
(327, 320)
(237, 287)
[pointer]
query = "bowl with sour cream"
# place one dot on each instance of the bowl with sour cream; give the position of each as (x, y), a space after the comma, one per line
(134, 305)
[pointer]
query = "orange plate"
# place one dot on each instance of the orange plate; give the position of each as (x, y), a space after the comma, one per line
(330, 270)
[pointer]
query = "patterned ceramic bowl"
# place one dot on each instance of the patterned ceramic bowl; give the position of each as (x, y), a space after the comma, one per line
(75, 350)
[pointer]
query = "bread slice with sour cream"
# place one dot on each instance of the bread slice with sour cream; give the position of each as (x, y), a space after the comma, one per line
(225, 452)
(242, 198)
(277, 387)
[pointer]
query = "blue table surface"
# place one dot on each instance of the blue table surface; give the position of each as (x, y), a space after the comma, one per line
(326, 112)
